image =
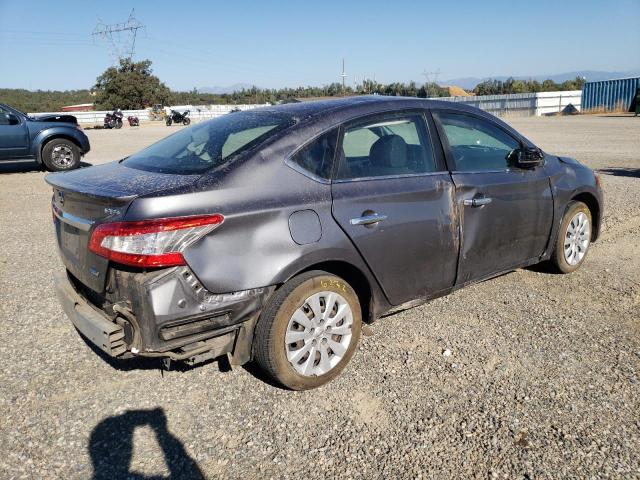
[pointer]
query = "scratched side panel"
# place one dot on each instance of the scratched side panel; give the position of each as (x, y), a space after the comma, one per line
(509, 231)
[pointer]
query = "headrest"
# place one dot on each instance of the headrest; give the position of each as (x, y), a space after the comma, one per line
(389, 151)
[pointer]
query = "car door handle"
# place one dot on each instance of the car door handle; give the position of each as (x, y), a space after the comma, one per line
(476, 202)
(368, 219)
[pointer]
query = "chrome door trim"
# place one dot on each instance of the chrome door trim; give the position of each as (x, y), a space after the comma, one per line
(77, 222)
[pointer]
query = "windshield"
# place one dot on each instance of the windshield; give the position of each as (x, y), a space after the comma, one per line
(208, 145)
(7, 109)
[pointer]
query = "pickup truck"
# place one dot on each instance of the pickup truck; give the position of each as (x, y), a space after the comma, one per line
(55, 141)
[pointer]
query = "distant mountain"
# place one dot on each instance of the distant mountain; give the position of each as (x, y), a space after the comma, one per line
(236, 87)
(469, 83)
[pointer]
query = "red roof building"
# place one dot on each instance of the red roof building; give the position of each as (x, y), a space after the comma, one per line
(83, 107)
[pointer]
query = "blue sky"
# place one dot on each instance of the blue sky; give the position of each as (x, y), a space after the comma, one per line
(48, 44)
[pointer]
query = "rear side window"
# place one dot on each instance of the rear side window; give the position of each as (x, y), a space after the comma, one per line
(317, 157)
(210, 144)
(386, 147)
(476, 144)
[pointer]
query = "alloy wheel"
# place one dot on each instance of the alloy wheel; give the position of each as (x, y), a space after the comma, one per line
(62, 156)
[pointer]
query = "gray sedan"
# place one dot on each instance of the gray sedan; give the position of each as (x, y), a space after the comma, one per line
(271, 235)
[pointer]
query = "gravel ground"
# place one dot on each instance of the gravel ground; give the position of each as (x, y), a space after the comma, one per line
(541, 379)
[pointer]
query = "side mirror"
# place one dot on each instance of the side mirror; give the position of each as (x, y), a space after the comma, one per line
(526, 157)
(13, 119)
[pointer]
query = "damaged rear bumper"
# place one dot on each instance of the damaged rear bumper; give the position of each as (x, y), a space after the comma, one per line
(164, 313)
(95, 326)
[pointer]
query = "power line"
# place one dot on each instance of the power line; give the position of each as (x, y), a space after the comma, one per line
(121, 37)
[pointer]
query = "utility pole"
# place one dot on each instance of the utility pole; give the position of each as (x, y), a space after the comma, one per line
(119, 47)
(344, 76)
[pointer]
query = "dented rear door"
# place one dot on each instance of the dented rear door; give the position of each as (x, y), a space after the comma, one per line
(396, 204)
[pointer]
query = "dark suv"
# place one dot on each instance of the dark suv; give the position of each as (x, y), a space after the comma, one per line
(271, 234)
(57, 141)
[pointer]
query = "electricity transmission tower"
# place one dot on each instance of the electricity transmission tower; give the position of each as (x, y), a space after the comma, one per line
(120, 37)
(427, 75)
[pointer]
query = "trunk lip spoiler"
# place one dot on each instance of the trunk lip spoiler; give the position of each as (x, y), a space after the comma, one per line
(54, 180)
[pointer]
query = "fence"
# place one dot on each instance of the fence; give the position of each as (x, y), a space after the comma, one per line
(519, 104)
(523, 104)
(196, 113)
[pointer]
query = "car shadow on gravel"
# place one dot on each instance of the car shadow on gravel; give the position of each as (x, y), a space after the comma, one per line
(621, 172)
(542, 267)
(111, 447)
(26, 166)
(256, 372)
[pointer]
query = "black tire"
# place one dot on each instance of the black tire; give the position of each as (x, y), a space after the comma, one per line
(558, 260)
(60, 155)
(186, 121)
(270, 351)
(118, 124)
(168, 122)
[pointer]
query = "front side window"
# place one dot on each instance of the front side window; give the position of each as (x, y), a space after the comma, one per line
(210, 144)
(476, 144)
(7, 117)
(386, 147)
(317, 157)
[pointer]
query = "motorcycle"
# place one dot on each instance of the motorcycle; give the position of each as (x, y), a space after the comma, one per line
(133, 121)
(177, 117)
(113, 120)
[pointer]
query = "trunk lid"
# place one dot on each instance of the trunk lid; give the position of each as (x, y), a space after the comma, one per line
(85, 198)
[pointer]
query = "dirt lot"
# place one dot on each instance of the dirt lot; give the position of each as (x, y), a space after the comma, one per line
(542, 381)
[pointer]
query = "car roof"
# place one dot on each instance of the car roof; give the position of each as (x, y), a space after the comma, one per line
(343, 108)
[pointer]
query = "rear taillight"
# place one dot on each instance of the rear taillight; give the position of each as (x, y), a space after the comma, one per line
(151, 243)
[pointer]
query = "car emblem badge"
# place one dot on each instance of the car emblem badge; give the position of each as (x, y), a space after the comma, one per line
(112, 211)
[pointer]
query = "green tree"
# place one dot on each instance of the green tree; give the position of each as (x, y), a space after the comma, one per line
(130, 86)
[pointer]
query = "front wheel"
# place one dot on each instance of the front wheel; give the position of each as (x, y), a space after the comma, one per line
(168, 122)
(574, 238)
(309, 330)
(119, 124)
(60, 155)
(186, 121)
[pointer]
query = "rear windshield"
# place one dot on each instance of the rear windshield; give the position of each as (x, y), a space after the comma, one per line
(207, 145)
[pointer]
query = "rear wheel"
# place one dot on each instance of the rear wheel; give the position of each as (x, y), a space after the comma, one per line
(309, 331)
(574, 238)
(60, 154)
(186, 121)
